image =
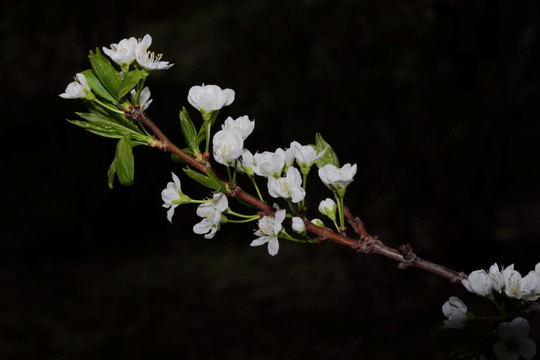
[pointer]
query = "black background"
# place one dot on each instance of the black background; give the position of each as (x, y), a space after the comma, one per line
(436, 101)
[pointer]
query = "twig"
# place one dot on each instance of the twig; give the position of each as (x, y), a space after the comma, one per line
(366, 244)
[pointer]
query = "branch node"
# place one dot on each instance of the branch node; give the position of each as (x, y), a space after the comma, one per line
(408, 256)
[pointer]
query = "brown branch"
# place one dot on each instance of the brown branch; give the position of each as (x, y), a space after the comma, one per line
(366, 244)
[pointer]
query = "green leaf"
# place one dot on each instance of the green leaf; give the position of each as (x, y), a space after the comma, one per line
(209, 182)
(105, 72)
(97, 129)
(96, 86)
(218, 185)
(111, 172)
(113, 116)
(130, 81)
(189, 131)
(103, 125)
(329, 157)
(125, 166)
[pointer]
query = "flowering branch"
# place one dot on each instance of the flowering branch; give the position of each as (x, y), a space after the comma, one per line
(367, 244)
(117, 101)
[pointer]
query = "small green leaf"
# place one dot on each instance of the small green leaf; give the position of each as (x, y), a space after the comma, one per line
(125, 166)
(189, 131)
(105, 72)
(97, 129)
(103, 125)
(130, 81)
(329, 157)
(113, 116)
(111, 172)
(218, 185)
(207, 181)
(96, 86)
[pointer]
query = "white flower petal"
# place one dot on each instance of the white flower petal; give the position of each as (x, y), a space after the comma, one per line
(170, 212)
(273, 246)
(259, 241)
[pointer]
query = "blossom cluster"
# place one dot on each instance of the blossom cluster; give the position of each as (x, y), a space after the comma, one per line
(284, 180)
(513, 337)
(124, 54)
(129, 50)
(505, 280)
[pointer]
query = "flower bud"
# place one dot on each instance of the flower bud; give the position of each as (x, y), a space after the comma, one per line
(328, 207)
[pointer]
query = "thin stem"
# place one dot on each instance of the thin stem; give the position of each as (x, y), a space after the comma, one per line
(241, 221)
(339, 201)
(228, 211)
(256, 187)
(229, 175)
(304, 182)
(208, 125)
(113, 109)
(285, 235)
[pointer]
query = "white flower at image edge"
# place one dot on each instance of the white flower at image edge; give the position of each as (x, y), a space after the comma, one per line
(478, 282)
(242, 125)
(148, 59)
(456, 312)
(288, 187)
(227, 146)
(338, 178)
(172, 196)
(514, 341)
(123, 52)
(269, 228)
(76, 89)
(211, 214)
(209, 97)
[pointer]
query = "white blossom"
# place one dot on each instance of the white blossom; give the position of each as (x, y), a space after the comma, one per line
(269, 229)
(227, 146)
(144, 98)
(305, 155)
(478, 282)
(243, 125)
(77, 89)
(456, 312)
(268, 164)
(337, 178)
(172, 196)
(148, 59)
(286, 156)
(298, 225)
(247, 163)
(123, 52)
(209, 97)
(288, 187)
(536, 272)
(211, 214)
(497, 278)
(518, 287)
(515, 342)
(318, 222)
(328, 207)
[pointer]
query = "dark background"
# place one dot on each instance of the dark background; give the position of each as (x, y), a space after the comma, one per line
(436, 101)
